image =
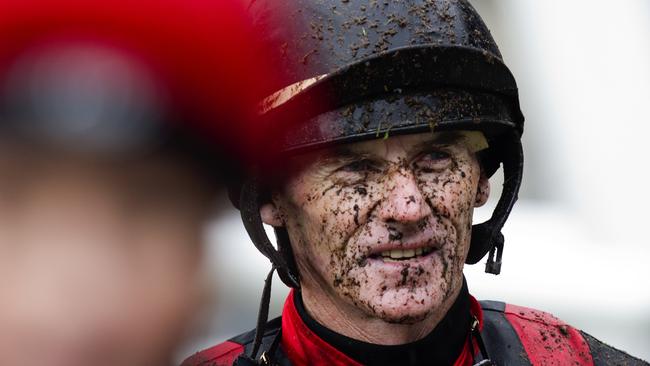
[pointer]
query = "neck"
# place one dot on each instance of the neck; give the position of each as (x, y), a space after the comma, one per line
(343, 318)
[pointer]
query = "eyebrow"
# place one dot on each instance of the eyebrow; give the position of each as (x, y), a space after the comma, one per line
(443, 138)
(343, 153)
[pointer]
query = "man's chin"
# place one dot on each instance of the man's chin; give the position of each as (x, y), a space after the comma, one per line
(401, 308)
(405, 317)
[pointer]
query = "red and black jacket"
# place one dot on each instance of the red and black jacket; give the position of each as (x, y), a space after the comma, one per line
(512, 335)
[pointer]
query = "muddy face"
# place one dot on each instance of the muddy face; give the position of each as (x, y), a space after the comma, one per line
(384, 225)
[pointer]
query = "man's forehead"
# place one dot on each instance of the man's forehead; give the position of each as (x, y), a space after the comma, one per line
(474, 140)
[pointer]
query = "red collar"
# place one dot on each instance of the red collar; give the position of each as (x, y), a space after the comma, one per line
(304, 347)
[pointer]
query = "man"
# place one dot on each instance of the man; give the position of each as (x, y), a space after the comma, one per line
(406, 110)
(114, 123)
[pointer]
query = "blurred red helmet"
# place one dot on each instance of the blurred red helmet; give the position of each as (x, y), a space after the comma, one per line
(194, 64)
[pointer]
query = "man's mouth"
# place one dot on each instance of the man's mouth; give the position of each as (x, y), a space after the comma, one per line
(397, 255)
(402, 254)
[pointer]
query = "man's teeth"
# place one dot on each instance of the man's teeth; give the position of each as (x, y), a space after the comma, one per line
(403, 254)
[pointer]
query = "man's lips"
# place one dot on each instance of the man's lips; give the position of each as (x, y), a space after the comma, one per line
(392, 242)
(402, 251)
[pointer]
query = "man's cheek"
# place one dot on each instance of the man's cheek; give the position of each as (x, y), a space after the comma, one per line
(342, 214)
(459, 200)
(318, 237)
(449, 198)
(310, 249)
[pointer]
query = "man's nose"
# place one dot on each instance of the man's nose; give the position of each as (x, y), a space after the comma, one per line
(404, 201)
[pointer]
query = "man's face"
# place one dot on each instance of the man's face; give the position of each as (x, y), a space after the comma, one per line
(98, 259)
(384, 225)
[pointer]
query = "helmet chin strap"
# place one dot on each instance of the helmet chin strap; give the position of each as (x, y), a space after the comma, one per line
(250, 214)
(487, 236)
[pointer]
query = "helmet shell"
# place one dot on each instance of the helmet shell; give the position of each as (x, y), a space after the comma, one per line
(340, 53)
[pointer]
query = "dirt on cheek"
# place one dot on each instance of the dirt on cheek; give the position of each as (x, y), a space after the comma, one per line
(347, 216)
(452, 196)
(340, 218)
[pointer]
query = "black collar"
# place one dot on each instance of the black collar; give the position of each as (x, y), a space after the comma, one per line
(440, 347)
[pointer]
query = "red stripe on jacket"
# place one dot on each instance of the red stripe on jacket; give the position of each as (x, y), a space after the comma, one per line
(546, 339)
(223, 354)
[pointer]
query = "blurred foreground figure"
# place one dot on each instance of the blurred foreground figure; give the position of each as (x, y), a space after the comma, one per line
(406, 109)
(119, 123)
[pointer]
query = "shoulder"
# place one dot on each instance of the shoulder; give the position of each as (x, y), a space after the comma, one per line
(604, 354)
(545, 339)
(225, 354)
(539, 338)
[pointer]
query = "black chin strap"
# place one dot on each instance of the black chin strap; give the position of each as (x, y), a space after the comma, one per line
(249, 201)
(487, 236)
(263, 314)
(250, 213)
(262, 318)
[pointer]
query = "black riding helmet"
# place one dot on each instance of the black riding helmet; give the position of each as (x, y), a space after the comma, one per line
(361, 70)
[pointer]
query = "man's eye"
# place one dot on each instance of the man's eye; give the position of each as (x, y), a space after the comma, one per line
(436, 155)
(359, 166)
(433, 161)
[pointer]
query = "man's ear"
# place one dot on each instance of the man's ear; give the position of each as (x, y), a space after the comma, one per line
(483, 191)
(271, 215)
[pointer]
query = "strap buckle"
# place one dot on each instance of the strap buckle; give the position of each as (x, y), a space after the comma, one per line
(484, 363)
(264, 359)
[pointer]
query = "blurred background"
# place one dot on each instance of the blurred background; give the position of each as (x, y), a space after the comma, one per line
(576, 242)
(114, 143)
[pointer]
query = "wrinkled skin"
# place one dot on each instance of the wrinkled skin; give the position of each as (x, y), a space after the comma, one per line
(343, 207)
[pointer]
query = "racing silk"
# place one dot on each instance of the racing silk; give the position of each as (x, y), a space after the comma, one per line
(512, 335)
